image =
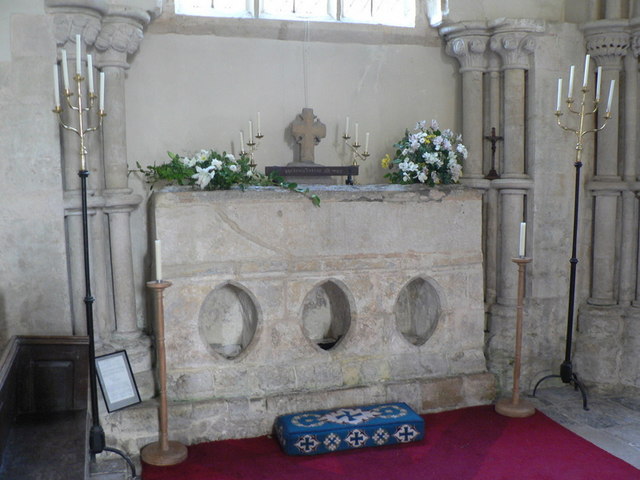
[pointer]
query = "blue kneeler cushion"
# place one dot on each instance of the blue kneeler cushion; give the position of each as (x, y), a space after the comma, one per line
(324, 431)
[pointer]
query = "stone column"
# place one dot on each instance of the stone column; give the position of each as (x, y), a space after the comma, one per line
(120, 36)
(607, 44)
(513, 45)
(492, 120)
(629, 232)
(631, 65)
(468, 42)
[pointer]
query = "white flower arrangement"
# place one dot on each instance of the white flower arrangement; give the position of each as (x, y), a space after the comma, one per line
(427, 155)
(210, 170)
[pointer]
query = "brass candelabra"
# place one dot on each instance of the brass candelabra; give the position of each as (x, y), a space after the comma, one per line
(355, 153)
(253, 143)
(567, 375)
(355, 147)
(97, 442)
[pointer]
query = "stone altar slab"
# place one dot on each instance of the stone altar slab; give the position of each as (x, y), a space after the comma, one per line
(381, 259)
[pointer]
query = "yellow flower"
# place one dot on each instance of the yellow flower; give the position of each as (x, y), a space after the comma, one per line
(386, 161)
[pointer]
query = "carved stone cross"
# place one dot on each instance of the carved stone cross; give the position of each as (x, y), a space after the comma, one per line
(308, 131)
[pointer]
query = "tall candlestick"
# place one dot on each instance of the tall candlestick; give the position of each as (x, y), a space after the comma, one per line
(559, 99)
(598, 83)
(585, 78)
(356, 139)
(366, 142)
(346, 128)
(611, 88)
(572, 71)
(101, 107)
(241, 141)
(250, 131)
(158, 260)
(90, 72)
(65, 71)
(259, 129)
(523, 230)
(56, 86)
(78, 55)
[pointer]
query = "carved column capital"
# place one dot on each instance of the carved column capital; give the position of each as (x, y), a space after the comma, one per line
(118, 39)
(634, 26)
(470, 52)
(122, 31)
(70, 21)
(607, 42)
(514, 49)
(467, 41)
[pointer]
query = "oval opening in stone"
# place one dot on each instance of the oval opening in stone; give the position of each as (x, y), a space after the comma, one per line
(417, 311)
(326, 315)
(228, 320)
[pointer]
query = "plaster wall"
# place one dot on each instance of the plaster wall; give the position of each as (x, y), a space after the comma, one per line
(34, 295)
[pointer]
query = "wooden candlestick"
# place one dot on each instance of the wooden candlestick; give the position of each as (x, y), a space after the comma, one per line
(514, 406)
(163, 452)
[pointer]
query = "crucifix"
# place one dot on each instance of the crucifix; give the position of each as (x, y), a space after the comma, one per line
(492, 175)
(308, 131)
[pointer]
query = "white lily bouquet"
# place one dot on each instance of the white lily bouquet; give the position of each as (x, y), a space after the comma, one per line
(210, 170)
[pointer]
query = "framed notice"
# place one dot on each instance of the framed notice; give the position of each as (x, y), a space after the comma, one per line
(118, 386)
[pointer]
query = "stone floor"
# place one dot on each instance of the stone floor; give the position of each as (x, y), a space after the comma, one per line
(612, 421)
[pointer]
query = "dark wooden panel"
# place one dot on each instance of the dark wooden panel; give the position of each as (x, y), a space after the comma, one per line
(43, 390)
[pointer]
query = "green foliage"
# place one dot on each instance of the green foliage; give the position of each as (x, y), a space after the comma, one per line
(210, 170)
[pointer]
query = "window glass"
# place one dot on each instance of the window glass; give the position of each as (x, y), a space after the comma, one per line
(215, 8)
(302, 9)
(386, 12)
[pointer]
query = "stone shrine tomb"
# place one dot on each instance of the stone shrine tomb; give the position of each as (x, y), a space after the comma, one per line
(278, 306)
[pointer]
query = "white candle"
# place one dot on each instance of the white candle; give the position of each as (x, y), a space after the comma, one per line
(158, 260)
(585, 78)
(598, 83)
(241, 141)
(78, 55)
(250, 131)
(611, 87)
(346, 128)
(559, 99)
(259, 129)
(523, 230)
(572, 71)
(56, 86)
(65, 71)
(366, 142)
(356, 139)
(90, 72)
(101, 107)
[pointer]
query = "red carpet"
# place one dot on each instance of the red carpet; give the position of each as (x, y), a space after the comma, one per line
(469, 444)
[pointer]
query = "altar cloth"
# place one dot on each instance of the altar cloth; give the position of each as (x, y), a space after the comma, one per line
(324, 431)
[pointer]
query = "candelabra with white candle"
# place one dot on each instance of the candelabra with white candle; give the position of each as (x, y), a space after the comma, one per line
(83, 111)
(252, 144)
(87, 121)
(581, 112)
(355, 146)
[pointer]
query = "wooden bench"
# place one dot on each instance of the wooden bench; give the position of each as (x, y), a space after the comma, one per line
(43, 408)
